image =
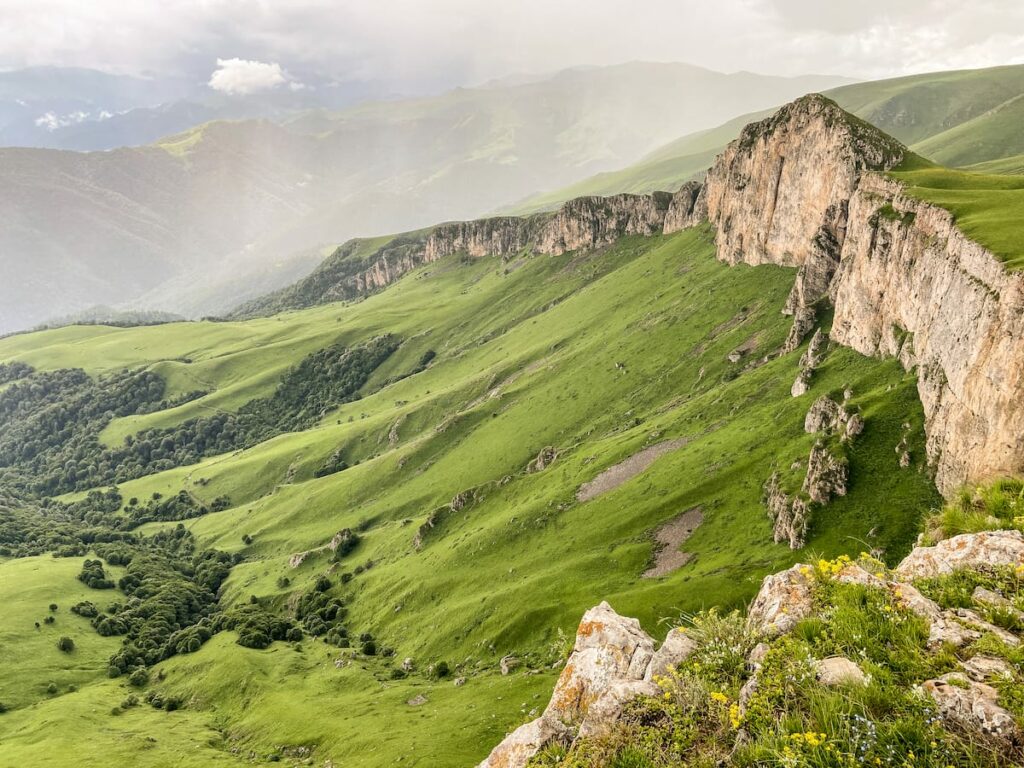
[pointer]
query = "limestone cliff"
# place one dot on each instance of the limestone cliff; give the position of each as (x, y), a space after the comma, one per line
(581, 224)
(801, 189)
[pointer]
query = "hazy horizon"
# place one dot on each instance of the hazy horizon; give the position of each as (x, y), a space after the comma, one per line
(246, 46)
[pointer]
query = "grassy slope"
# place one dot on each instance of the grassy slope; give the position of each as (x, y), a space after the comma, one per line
(954, 118)
(988, 208)
(31, 660)
(529, 355)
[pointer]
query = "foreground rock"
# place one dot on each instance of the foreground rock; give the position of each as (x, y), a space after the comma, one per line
(966, 704)
(526, 741)
(783, 600)
(612, 663)
(838, 670)
(971, 550)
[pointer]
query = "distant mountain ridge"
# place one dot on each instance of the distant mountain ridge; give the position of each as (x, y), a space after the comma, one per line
(228, 210)
(956, 118)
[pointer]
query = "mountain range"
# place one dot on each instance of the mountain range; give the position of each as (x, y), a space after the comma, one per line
(219, 213)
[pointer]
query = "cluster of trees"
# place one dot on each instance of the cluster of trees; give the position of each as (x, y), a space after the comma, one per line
(50, 422)
(182, 506)
(14, 371)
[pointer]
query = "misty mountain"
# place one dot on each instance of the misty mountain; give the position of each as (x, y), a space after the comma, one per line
(221, 212)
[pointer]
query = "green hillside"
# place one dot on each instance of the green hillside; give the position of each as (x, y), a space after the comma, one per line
(453, 543)
(955, 118)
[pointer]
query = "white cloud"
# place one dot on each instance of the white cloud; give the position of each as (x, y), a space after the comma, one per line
(244, 76)
(52, 121)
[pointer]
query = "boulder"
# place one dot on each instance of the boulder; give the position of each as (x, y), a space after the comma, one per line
(676, 648)
(839, 670)
(783, 600)
(524, 742)
(946, 629)
(606, 710)
(609, 649)
(971, 705)
(969, 550)
(509, 663)
(982, 668)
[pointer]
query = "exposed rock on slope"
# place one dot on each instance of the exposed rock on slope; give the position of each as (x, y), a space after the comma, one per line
(580, 224)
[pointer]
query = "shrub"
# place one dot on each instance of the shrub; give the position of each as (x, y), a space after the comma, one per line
(139, 678)
(52, 689)
(66, 644)
(53, 607)
(49, 620)
(369, 648)
(94, 576)
(85, 609)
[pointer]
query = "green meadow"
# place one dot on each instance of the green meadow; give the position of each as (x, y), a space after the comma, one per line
(597, 356)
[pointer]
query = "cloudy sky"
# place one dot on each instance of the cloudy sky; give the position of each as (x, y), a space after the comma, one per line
(415, 44)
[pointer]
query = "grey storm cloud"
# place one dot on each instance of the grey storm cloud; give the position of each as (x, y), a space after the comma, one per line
(464, 41)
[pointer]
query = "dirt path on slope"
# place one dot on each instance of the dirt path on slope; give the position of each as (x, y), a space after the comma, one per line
(615, 476)
(669, 537)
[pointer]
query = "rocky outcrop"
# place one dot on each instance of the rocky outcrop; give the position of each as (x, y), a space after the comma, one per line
(809, 361)
(969, 550)
(964, 703)
(783, 600)
(612, 663)
(826, 416)
(584, 223)
(790, 515)
(826, 475)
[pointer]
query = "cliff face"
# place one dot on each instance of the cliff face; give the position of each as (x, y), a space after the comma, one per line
(581, 224)
(911, 285)
(800, 190)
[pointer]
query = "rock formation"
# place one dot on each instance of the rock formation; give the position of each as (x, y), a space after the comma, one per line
(809, 361)
(801, 189)
(612, 663)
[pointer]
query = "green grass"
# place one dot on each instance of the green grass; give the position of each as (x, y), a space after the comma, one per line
(31, 660)
(987, 208)
(598, 355)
